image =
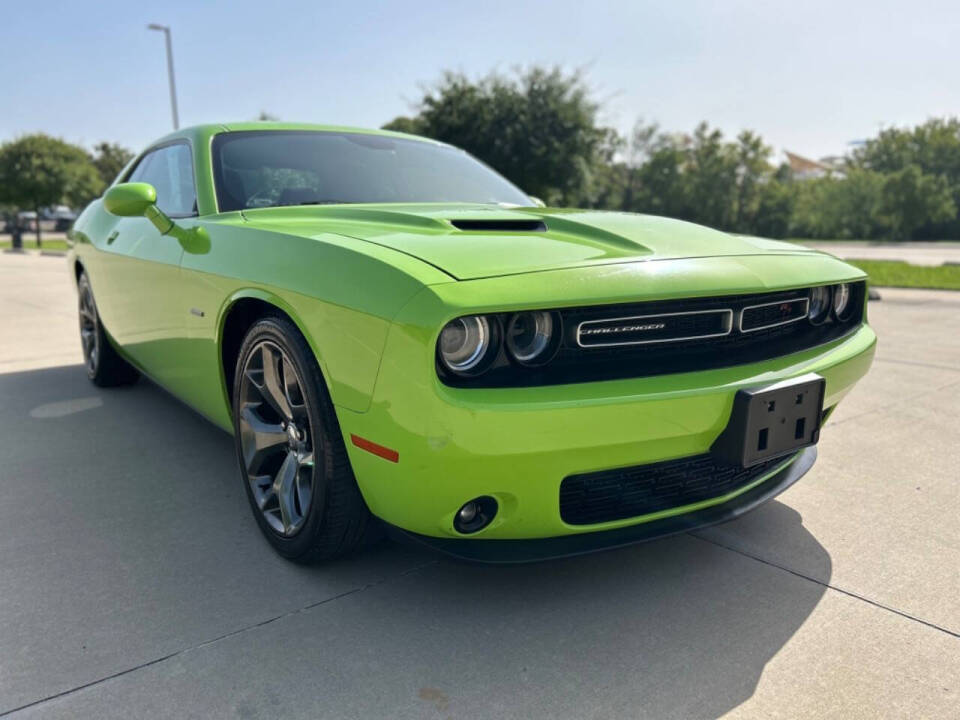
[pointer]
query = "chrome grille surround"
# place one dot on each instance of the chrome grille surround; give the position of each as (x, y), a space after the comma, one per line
(623, 326)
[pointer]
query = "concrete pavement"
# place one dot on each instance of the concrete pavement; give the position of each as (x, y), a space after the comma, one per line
(134, 583)
(38, 314)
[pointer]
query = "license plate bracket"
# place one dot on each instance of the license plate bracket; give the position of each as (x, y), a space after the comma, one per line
(773, 420)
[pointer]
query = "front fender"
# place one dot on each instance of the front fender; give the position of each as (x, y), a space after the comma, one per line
(270, 298)
(346, 343)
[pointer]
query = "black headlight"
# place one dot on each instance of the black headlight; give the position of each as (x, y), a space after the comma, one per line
(469, 344)
(819, 304)
(843, 301)
(532, 338)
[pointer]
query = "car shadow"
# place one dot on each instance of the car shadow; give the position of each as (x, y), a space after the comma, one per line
(125, 537)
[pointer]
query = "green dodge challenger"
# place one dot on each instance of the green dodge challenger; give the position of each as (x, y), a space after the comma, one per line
(390, 329)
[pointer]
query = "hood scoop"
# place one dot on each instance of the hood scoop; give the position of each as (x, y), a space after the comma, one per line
(500, 225)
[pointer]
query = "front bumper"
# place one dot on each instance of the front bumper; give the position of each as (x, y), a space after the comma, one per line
(517, 445)
(523, 551)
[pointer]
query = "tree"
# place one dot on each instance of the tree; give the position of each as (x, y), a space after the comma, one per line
(662, 185)
(753, 168)
(699, 177)
(109, 159)
(911, 199)
(840, 207)
(538, 127)
(405, 124)
(712, 179)
(37, 171)
(623, 183)
(934, 148)
(775, 205)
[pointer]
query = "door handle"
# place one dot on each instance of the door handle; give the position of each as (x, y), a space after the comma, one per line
(112, 236)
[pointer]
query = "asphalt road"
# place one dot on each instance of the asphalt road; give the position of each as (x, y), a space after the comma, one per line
(134, 582)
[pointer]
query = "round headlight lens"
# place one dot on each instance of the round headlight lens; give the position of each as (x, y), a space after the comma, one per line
(530, 337)
(842, 301)
(819, 304)
(465, 343)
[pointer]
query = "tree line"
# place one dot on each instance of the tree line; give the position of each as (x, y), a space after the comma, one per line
(539, 127)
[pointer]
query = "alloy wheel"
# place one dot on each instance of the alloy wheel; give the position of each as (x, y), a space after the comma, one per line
(89, 337)
(275, 438)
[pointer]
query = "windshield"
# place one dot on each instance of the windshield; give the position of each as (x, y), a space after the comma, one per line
(275, 167)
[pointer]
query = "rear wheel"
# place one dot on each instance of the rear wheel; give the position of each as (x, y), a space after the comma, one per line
(293, 462)
(105, 367)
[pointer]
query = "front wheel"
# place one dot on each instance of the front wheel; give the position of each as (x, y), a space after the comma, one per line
(293, 462)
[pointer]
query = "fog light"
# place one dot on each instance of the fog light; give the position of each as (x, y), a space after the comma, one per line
(468, 512)
(475, 515)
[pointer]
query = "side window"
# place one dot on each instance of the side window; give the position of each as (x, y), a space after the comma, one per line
(170, 171)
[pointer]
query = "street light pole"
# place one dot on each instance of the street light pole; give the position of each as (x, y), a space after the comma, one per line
(173, 85)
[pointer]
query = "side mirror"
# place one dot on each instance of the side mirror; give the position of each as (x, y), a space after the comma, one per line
(130, 199)
(537, 201)
(137, 200)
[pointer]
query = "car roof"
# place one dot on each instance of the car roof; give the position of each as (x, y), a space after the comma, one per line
(206, 131)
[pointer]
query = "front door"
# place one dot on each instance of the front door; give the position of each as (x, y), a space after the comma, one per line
(143, 268)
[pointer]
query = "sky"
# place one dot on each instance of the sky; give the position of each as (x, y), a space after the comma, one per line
(808, 76)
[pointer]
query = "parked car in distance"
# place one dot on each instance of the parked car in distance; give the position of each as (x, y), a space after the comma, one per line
(392, 330)
(26, 220)
(61, 215)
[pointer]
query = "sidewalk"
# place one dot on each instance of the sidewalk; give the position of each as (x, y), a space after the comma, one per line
(916, 253)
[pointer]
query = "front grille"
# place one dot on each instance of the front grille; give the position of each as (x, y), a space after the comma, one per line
(698, 334)
(650, 329)
(608, 495)
(771, 314)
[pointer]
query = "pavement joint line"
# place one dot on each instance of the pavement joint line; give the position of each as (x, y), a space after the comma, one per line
(895, 404)
(918, 363)
(215, 640)
(848, 593)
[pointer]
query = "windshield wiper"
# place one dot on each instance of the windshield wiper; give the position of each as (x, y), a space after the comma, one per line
(311, 202)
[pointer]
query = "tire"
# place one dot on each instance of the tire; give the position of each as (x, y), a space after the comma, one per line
(292, 458)
(105, 367)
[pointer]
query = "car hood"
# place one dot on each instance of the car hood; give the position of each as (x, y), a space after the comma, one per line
(478, 241)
